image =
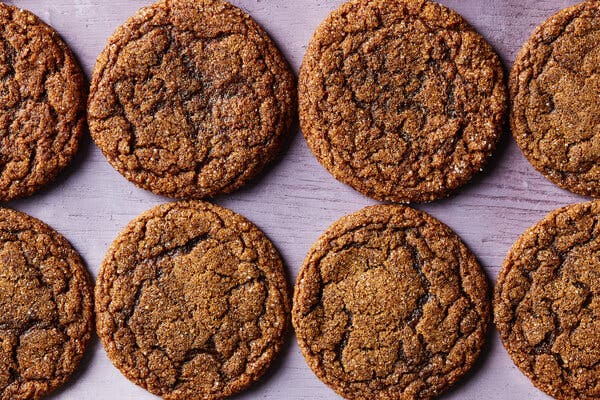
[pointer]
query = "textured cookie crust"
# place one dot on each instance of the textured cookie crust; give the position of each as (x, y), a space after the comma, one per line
(390, 304)
(400, 99)
(547, 301)
(554, 85)
(42, 103)
(46, 307)
(192, 301)
(190, 98)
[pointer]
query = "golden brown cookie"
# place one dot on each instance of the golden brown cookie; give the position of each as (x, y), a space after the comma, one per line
(555, 108)
(192, 301)
(547, 303)
(400, 99)
(42, 103)
(46, 307)
(390, 304)
(190, 98)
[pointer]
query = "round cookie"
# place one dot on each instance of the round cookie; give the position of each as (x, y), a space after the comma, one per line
(46, 308)
(190, 98)
(547, 302)
(554, 86)
(42, 103)
(192, 301)
(400, 99)
(390, 304)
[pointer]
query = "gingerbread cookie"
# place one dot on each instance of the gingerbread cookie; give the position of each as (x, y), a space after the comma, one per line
(555, 111)
(42, 103)
(401, 99)
(547, 299)
(390, 304)
(190, 98)
(46, 308)
(192, 301)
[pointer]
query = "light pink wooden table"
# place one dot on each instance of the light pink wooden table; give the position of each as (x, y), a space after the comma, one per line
(297, 199)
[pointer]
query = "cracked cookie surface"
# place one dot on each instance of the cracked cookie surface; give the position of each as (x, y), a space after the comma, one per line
(547, 302)
(401, 99)
(42, 103)
(190, 99)
(46, 307)
(554, 85)
(192, 301)
(390, 304)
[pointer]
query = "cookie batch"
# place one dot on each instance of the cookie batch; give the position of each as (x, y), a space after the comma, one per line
(402, 100)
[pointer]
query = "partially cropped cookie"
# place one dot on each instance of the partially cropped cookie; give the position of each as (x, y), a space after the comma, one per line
(190, 98)
(547, 302)
(192, 301)
(46, 308)
(390, 304)
(555, 108)
(400, 99)
(42, 103)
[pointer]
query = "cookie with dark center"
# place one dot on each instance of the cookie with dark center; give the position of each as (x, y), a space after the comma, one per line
(192, 301)
(190, 98)
(554, 85)
(46, 308)
(400, 99)
(390, 304)
(546, 303)
(42, 103)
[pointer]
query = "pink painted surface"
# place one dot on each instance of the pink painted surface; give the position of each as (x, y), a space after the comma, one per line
(297, 199)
